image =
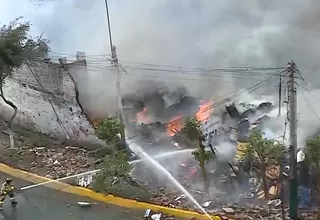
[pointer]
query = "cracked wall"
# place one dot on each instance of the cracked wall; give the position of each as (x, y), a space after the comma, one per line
(46, 97)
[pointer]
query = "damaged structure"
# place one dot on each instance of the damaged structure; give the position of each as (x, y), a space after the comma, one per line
(47, 99)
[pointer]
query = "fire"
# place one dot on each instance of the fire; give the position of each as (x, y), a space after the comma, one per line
(143, 117)
(174, 125)
(203, 114)
(205, 111)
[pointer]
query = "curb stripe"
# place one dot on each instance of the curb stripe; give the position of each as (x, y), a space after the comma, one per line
(80, 191)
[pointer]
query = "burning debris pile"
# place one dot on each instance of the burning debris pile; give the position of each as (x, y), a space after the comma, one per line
(227, 175)
(158, 113)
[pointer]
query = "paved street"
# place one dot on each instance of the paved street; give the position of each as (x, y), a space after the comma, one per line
(42, 203)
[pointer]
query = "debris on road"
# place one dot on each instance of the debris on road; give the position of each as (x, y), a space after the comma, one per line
(85, 181)
(206, 204)
(156, 216)
(147, 213)
(84, 204)
(228, 210)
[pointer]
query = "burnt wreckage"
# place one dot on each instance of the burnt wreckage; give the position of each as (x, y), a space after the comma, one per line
(156, 110)
(152, 109)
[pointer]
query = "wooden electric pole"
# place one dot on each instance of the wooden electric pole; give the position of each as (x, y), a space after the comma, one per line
(115, 65)
(293, 208)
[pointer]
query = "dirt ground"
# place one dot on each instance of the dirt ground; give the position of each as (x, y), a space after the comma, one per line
(43, 155)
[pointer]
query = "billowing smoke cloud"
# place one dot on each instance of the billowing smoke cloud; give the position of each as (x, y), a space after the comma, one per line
(201, 33)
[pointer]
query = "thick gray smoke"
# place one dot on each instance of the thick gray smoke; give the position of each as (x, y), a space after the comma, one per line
(202, 33)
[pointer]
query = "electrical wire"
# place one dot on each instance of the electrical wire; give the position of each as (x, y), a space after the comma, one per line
(311, 107)
(205, 72)
(36, 76)
(233, 97)
(74, 55)
(202, 69)
(207, 79)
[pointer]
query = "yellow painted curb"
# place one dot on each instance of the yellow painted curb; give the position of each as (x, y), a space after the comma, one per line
(80, 191)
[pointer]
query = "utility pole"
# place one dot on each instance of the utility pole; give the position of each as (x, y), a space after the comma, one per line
(115, 64)
(280, 90)
(293, 208)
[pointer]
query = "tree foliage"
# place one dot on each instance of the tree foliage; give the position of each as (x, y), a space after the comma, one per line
(109, 129)
(193, 130)
(312, 152)
(312, 157)
(115, 175)
(265, 152)
(17, 47)
(115, 166)
(207, 155)
(268, 151)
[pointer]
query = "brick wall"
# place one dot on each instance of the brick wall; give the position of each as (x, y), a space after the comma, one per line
(34, 102)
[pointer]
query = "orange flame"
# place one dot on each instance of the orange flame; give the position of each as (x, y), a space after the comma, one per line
(143, 117)
(203, 114)
(174, 125)
(205, 111)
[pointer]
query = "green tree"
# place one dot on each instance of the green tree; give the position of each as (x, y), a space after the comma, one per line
(266, 152)
(109, 129)
(312, 153)
(17, 47)
(114, 167)
(115, 175)
(192, 129)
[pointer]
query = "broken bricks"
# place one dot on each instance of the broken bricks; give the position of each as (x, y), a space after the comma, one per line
(151, 215)
(84, 204)
(61, 162)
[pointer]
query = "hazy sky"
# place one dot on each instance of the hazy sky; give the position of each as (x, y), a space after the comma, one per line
(187, 32)
(202, 33)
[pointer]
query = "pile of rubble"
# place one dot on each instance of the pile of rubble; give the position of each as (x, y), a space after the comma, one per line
(56, 163)
(151, 215)
(215, 207)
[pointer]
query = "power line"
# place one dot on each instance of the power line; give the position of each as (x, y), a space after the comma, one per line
(311, 107)
(197, 79)
(234, 97)
(36, 76)
(74, 55)
(207, 71)
(203, 69)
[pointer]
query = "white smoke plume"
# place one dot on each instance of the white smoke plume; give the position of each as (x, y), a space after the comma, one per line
(201, 33)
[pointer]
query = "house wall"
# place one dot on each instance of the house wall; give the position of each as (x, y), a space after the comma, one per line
(46, 98)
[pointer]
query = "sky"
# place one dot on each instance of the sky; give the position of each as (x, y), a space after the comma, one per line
(188, 33)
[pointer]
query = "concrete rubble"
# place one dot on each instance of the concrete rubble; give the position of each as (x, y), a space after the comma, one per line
(56, 163)
(84, 204)
(270, 210)
(151, 215)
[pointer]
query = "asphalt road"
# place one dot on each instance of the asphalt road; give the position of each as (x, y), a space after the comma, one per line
(42, 203)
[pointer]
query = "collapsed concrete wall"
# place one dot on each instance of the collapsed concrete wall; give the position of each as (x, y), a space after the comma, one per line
(46, 98)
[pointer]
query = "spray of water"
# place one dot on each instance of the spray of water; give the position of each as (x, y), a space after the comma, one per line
(167, 154)
(57, 180)
(139, 151)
